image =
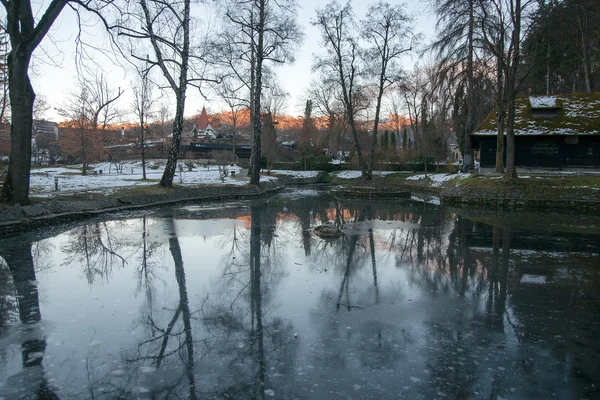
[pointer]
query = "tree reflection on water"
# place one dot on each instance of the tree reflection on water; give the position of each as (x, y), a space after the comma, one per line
(414, 301)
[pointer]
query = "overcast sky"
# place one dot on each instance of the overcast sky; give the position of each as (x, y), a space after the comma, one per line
(55, 72)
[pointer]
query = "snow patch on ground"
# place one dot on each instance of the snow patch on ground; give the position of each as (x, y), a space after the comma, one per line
(437, 180)
(70, 180)
(535, 279)
(296, 174)
(358, 174)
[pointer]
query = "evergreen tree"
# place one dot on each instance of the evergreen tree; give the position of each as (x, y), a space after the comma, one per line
(404, 141)
(385, 140)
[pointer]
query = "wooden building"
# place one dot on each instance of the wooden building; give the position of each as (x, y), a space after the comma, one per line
(561, 131)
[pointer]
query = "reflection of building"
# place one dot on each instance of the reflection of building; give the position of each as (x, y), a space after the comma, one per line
(544, 287)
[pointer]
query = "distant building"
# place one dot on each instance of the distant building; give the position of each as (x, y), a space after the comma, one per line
(203, 129)
(561, 131)
(454, 153)
(44, 142)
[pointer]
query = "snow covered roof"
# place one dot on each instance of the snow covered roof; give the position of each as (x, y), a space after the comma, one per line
(543, 102)
(578, 114)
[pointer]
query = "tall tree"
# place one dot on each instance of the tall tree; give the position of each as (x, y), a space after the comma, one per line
(455, 46)
(25, 36)
(562, 47)
(585, 16)
(230, 91)
(512, 82)
(342, 63)
(326, 102)
(257, 32)
(90, 108)
(157, 33)
(142, 107)
(388, 31)
(307, 140)
(494, 29)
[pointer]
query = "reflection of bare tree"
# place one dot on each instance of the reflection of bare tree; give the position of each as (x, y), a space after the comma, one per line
(243, 332)
(8, 301)
(185, 312)
(174, 339)
(96, 248)
(33, 378)
(257, 335)
(41, 255)
(146, 272)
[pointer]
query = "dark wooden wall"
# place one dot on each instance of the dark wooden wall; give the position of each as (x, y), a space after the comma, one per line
(544, 151)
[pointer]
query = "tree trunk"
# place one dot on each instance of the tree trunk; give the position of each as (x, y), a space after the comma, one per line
(377, 111)
(234, 139)
(548, 69)
(583, 24)
(511, 92)
(256, 123)
(167, 178)
(500, 116)
(468, 156)
(15, 189)
(252, 89)
(511, 170)
(184, 306)
(143, 140)
(83, 154)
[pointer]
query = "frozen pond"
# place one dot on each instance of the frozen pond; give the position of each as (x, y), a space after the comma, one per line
(242, 301)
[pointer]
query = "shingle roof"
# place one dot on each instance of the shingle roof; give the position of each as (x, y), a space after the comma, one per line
(579, 114)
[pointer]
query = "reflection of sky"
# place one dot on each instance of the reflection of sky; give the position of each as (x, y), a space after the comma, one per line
(411, 336)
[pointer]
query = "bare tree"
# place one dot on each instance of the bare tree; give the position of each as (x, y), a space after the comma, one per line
(260, 31)
(342, 64)
(502, 22)
(325, 98)
(142, 107)
(395, 109)
(307, 140)
(274, 98)
(25, 35)
(455, 47)
(388, 30)
(89, 108)
(494, 28)
(157, 33)
(40, 106)
(4, 100)
(230, 91)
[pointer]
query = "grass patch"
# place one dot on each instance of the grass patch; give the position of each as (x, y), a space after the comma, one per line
(144, 190)
(538, 188)
(533, 183)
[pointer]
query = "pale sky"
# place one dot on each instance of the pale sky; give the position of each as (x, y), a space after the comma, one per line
(55, 79)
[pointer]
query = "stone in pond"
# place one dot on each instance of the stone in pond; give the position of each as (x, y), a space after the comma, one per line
(327, 231)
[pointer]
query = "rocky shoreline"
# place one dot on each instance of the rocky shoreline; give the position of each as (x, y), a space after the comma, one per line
(16, 218)
(511, 198)
(453, 194)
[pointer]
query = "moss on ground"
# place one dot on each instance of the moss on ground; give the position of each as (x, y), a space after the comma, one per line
(547, 187)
